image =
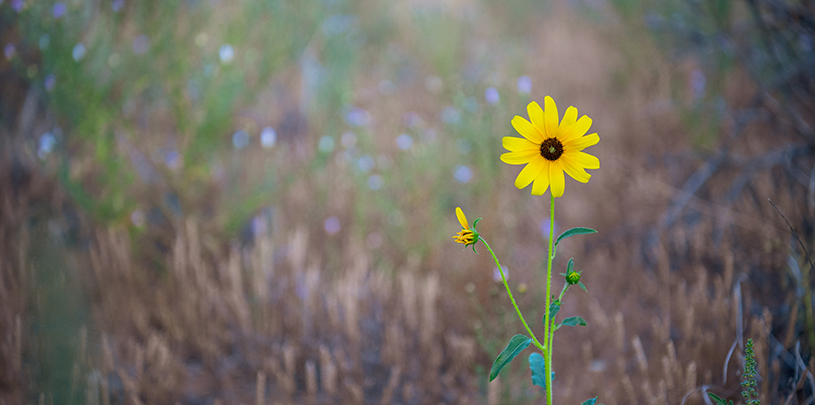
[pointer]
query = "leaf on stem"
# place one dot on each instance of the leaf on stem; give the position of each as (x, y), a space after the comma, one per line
(573, 232)
(573, 321)
(517, 344)
(554, 308)
(717, 399)
(536, 364)
(590, 401)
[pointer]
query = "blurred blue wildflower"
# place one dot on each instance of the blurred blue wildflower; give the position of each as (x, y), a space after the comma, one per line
(357, 117)
(240, 139)
(59, 10)
(118, 5)
(365, 163)
(50, 82)
(268, 137)
(697, 82)
(47, 142)
(137, 218)
(332, 225)
(492, 96)
(463, 174)
(9, 50)
(326, 144)
(404, 141)
(375, 182)
(141, 44)
(78, 52)
(524, 84)
(17, 5)
(226, 53)
(451, 115)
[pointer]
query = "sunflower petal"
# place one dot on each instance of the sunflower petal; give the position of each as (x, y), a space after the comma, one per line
(536, 116)
(526, 129)
(519, 158)
(574, 170)
(461, 218)
(569, 118)
(578, 144)
(529, 173)
(550, 117)
(585, 160)
(514, 144)
(579, 129)
(542, 181)
(556, 179)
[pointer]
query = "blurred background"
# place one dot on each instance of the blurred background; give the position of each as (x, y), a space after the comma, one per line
(214, 202)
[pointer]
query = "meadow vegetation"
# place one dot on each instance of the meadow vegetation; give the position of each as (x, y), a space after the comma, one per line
(214, 202)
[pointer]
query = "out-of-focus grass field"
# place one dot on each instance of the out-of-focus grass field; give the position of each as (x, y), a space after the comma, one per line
(215, 202)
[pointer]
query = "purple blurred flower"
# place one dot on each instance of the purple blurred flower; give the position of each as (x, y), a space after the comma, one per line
(463, 174)
(524, 84)
(59, 10)
(18, 5)
(9, 51)
(50, 82)
(492, 96)
(332, 225)
(358, 117)
(141, 44)
(118, 5)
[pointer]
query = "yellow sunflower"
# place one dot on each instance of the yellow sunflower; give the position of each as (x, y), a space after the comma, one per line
(548, 148)
(467, 236)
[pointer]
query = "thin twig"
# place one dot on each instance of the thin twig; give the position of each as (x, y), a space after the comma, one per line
(795, 234)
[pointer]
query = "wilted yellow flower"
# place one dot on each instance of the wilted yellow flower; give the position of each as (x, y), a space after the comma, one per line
(548, 148)
(467, 236)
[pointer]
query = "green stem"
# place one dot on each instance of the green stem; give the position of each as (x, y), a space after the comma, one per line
(532, 335)
(547, 340)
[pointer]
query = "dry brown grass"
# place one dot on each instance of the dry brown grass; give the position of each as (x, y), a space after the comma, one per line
(293, 316)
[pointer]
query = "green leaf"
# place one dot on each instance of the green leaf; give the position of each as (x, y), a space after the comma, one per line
(517, 344)
(554, 308)
(538, 370)
(570, 266)
(717, 399)
(573, 232)
(590, 401)
(582, 286)
(573, 321)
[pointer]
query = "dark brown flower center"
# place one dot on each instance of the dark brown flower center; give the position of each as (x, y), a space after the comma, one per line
(551, 149)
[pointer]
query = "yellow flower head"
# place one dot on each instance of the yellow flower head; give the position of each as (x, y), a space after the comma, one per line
(467, 236)
(548, 148)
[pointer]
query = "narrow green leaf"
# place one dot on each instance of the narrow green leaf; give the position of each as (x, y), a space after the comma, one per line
(574, 321)
(570, 266)
(719, 400)
(582, 286)
(517, 344)
(590, 401)
(573, 232)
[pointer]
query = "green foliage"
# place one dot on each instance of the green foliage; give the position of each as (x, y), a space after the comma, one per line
(573, 321)
(536, 364)
(554, 308)
(718, 400)
(516, 345)
(591, 401)
(573, 232)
